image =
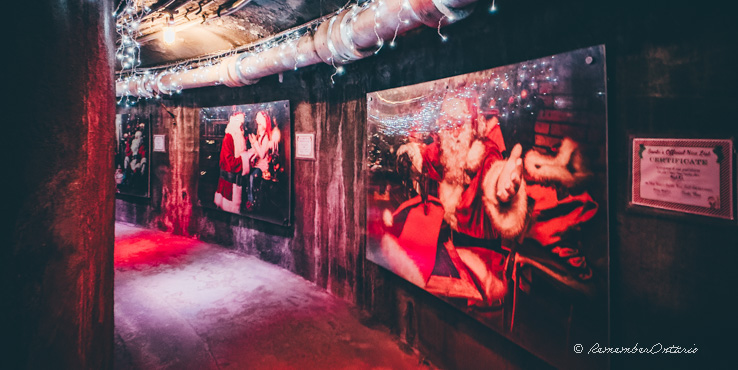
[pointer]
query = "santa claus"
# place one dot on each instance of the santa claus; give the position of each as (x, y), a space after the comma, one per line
(561, 207)
(451, 245)
(234, 164)
(138, 148)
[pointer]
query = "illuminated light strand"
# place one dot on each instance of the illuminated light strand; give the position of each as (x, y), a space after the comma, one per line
(493, 8)
(380, 42)
(127, 27)
(392, 43)
(400, 20)
(443, 38)
(334, 72)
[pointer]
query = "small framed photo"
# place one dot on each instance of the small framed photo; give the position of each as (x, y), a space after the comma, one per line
(684, 175)
(305, 146)
(159, 143)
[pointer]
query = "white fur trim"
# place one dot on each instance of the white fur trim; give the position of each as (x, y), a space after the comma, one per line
(387, 218)
(232, 206)
(509, 219)
(413, 151)
(476, 156)
(136, 142)
(542, 168)
(398, 261)
(450, 196)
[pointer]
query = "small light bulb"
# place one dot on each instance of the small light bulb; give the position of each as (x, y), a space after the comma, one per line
(169, 32)
(169, 35)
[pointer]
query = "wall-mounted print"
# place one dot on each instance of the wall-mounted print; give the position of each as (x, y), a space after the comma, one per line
(245, 160)
(132, 163)
(684, 175)
(489, 191)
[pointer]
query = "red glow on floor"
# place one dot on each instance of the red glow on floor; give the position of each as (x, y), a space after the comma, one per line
(150, 248)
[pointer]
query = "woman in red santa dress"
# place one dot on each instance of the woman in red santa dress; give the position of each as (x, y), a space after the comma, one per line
(264, 146)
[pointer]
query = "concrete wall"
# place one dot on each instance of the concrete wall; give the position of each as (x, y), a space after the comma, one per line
(58, 216)
(670, 72)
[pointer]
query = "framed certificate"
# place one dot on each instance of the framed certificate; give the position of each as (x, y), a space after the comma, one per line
(684, 175)
(305, 146)
(160, 143)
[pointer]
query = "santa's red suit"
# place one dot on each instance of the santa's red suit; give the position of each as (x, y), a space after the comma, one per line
(234, 163)
(557, 212)
(416, 245)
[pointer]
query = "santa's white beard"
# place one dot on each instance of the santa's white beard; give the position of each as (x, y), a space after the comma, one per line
(135, 144)
(454, 152)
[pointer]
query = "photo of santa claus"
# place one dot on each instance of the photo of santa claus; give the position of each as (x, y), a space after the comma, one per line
(132, 155)
(488, 190)
(244, 166)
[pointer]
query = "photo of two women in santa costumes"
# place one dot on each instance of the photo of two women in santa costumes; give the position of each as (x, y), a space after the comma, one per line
(240, 161)
(449, 241)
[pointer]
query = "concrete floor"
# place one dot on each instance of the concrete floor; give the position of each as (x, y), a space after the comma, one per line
(184, 304)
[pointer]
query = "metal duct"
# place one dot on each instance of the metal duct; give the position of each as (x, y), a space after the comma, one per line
(231, 8)
(352, 34)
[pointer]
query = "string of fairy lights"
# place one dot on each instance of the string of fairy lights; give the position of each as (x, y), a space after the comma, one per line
(517, 92)
(128, 53)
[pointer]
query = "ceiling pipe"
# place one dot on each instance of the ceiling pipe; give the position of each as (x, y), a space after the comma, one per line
(160, 5)
(352, 34)
(234, 6)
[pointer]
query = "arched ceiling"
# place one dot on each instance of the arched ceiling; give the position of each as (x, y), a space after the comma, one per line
(202, 31)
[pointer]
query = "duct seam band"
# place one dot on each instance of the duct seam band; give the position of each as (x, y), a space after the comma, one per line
(241, 78)
(452, 14)
(346, 31)
(329, 42)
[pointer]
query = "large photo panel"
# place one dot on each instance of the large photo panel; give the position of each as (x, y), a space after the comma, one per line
(244, 161)
(132, 154)
(489, 190)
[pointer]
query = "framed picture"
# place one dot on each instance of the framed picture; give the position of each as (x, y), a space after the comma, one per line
(489, 190)
(245, 160)
(305, 145)
(132, 154)
(160, 143)
(684, 175)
